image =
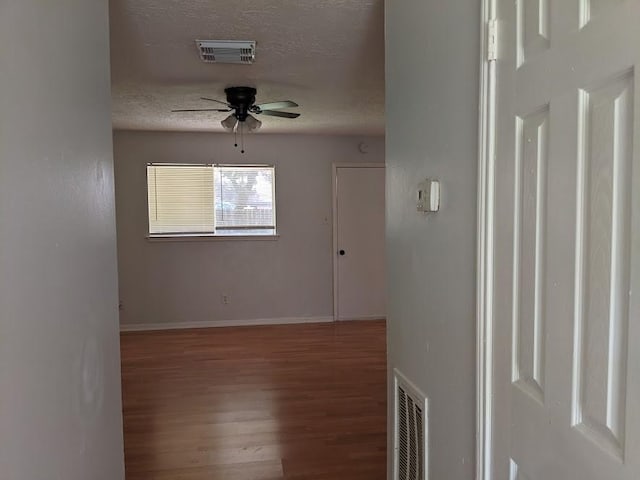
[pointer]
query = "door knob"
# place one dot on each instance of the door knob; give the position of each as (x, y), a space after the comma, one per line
(342, 252)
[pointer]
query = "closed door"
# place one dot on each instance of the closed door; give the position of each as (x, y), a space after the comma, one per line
(360, 243)
(566, 331)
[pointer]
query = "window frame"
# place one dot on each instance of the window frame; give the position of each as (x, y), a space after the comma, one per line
(273, 233)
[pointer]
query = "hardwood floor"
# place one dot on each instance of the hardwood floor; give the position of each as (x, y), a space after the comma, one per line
(294, 402)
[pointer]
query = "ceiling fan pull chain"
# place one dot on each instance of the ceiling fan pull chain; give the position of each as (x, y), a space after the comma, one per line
(235, 133)
(242, 137)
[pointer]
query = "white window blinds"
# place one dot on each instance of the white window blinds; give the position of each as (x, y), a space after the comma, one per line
(180, 198)
(211, 199)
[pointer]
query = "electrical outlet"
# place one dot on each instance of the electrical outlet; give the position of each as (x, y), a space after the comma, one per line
(224, 299)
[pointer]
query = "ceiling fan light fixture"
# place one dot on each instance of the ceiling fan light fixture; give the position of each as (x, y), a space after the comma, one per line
(230, 122)
(252, 123)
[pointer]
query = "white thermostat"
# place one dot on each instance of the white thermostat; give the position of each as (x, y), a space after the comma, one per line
(428, 196)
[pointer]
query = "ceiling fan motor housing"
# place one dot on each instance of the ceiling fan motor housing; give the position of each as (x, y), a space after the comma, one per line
(241, 99)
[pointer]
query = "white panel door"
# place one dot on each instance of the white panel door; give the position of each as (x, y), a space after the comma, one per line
(360, 289)
(566, 351)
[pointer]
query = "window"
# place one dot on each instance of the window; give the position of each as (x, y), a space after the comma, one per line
(193, 200)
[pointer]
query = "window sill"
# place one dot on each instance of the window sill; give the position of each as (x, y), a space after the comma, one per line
(211, 238)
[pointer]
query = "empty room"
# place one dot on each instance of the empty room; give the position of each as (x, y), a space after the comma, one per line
(297, 240)
(250, 188)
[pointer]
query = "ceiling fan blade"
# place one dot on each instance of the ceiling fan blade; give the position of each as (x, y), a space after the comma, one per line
(277, 105)
(203, 110)
(275, 113)
(214, 100)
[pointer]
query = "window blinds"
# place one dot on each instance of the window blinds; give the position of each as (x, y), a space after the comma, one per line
(210, 199)
(180, 198)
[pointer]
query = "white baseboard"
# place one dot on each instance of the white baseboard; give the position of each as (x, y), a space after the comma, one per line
(139, 327)
(367, 317)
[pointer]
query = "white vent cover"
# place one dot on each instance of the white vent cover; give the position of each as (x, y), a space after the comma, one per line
(227, 51)
(410, 436)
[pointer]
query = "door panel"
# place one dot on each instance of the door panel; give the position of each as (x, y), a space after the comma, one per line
(566, 335)
(602, 255)
(360, 221)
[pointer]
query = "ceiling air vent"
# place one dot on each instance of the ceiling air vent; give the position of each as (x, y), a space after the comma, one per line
(227, 51)
(410, 438)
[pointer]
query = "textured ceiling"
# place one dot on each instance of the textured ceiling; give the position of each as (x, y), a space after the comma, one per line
(326, 55)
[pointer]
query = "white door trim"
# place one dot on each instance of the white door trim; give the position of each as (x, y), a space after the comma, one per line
(334, 196)
(484, 280)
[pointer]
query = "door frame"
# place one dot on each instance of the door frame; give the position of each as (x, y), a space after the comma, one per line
(485, 245)
(334, 195)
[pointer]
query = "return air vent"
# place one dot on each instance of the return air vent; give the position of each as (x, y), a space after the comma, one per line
(410, 448)
(227, 51)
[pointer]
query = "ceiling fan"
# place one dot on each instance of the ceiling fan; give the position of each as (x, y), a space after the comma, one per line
(242, 102)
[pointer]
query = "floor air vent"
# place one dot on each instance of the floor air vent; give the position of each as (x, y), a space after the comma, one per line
(410, 431)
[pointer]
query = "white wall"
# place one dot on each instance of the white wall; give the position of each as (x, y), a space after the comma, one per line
(432, 62)
(60, 408)
(168, 283)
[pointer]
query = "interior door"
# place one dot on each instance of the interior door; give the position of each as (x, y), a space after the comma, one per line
(360, 243)
(566, 328)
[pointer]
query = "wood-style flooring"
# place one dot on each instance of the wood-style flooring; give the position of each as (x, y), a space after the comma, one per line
(294, 402)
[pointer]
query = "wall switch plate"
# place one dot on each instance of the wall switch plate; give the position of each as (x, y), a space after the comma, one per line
(428, 196)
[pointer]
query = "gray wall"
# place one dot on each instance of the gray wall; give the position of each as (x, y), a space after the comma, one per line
(181, 283)
(432, 61)
(59, 354)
